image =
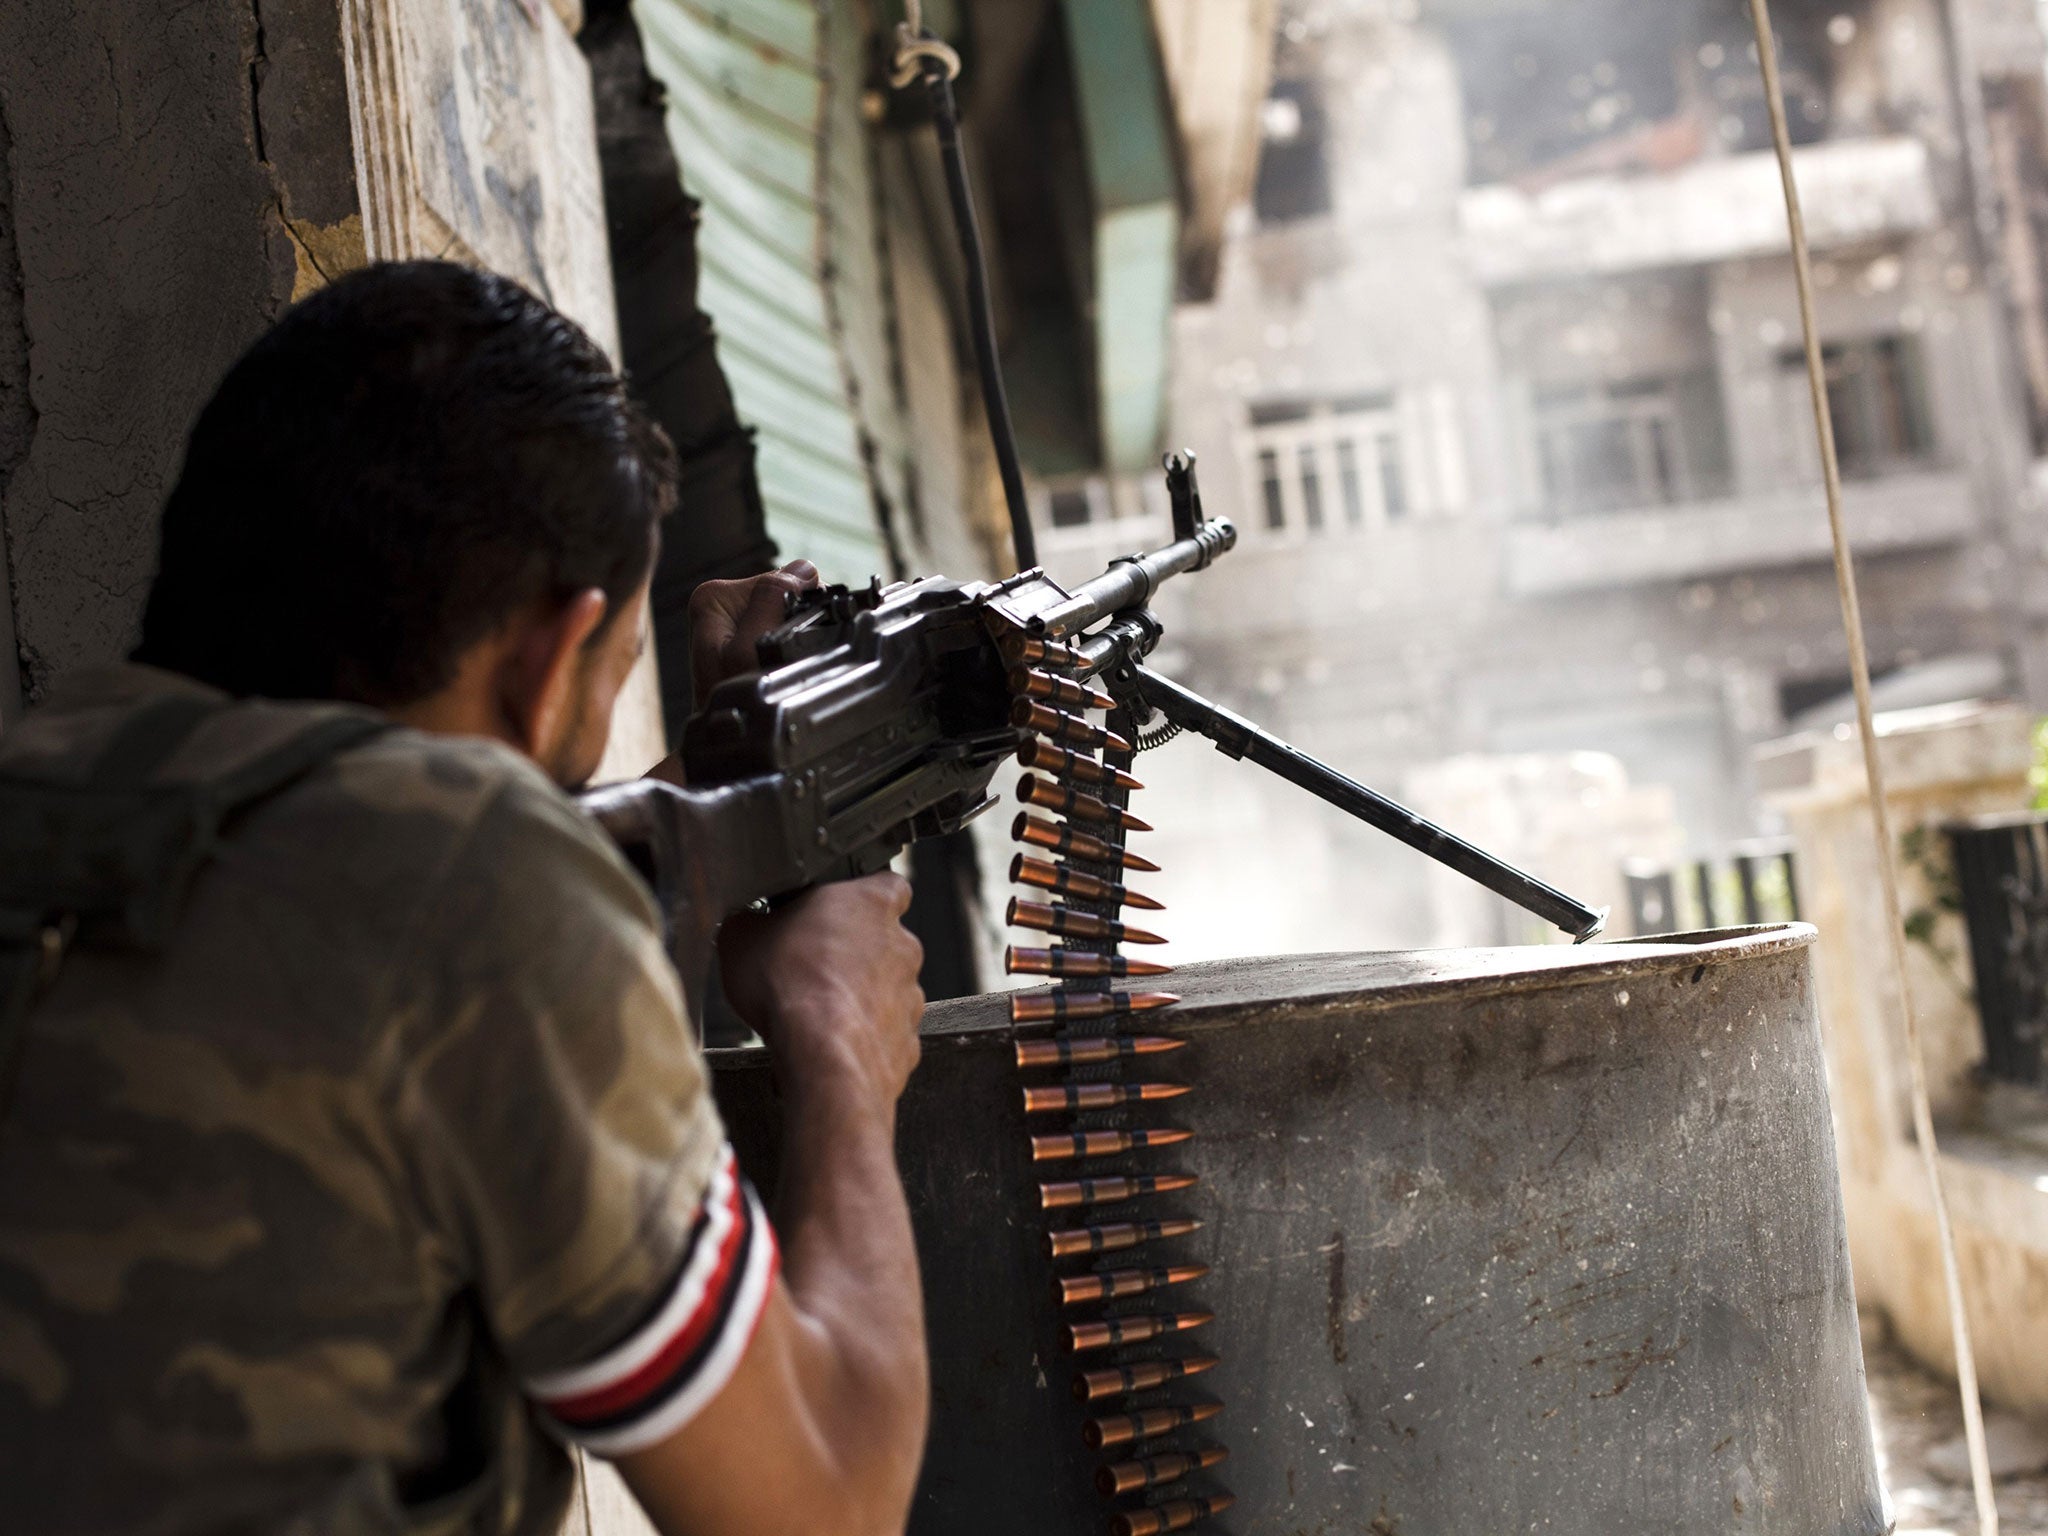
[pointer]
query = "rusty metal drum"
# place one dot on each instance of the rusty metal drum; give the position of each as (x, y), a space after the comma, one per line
(1501, 1241)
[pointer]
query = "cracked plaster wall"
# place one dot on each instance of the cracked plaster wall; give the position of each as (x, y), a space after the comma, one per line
(174, 175)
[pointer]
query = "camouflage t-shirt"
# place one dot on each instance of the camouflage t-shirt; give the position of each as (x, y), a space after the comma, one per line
(393, 1172)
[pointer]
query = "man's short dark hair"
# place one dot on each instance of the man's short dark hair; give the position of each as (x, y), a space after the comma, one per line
(408, 458)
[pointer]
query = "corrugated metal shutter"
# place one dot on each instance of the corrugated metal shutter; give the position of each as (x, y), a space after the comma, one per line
(858, 287)
(754, 99)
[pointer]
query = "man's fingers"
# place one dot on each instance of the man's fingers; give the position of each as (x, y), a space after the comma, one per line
(766, 606)
(908, 941)
(713, 600)
(727, 617)
(893, 888)
(713, 608)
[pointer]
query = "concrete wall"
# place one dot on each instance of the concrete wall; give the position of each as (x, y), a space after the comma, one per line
(17, 415)
(172, 179)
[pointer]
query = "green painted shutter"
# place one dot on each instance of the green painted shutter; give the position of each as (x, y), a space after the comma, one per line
(764, 115)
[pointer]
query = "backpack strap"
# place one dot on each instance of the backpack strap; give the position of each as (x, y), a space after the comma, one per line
(111, 858)
(291, 760)
(28, 959)
(145, 741)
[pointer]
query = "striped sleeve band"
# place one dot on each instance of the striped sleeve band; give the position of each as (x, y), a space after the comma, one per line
(680, 1357)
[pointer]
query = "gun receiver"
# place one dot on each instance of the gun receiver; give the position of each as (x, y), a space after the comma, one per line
(878, 716)
(881, 715)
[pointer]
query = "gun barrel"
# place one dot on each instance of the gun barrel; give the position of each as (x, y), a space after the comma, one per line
(1131, 581)
(1238, 737)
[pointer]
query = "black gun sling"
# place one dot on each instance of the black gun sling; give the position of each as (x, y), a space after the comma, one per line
(110, 858)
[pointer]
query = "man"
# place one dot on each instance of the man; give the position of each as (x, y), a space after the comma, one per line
(357, 1162)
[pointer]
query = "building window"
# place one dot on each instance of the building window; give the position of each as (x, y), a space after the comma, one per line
(1348, 483)
(1631, 87)
(1393, 482)
(1311, 489)
(1076, 505)
(1320, 468)
(1273, 491)
(1609, 447)
(1878, 398)
(1070, 508)
(1294, 173)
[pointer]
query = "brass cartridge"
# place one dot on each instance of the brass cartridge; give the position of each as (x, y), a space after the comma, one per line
(1091, 1386)
(1071, 1192)
(1086, 1050)
(1117, 1236)
(1072, 730)
(1071, 924)
(1063, 692)
(1126, 1428)
(1021, 652)
(1076, 1144)
(1065, 880)
(1086, 1096)
(1177, 1516)
(1061, 1004)
(1130, 1476)
(1068, 801)
(1134, 1328)
(1112, 1284)
(1071, 765)
(1051, 835)
(1077, 962)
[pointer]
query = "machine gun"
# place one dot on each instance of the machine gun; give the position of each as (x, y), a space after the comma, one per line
(882, 715)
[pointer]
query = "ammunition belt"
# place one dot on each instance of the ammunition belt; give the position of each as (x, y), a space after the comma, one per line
(1096, 1087)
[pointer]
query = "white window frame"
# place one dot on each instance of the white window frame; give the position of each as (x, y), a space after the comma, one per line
(1421, 426)
(1639, 415)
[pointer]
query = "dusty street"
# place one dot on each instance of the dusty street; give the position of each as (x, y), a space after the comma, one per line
(1913, 1414)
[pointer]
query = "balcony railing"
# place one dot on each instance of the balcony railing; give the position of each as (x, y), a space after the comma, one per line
(1682, 543)
(1750, 883)
(1714, 210)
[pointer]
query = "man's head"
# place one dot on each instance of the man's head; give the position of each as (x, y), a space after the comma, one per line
(426, 491)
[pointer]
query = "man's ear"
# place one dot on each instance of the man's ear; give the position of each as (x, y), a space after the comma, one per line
(538, 678)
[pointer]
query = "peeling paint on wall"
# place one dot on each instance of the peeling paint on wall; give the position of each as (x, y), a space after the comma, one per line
(323, 252)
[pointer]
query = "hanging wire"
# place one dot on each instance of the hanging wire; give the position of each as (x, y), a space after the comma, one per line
(1880, 812)
(920, 57)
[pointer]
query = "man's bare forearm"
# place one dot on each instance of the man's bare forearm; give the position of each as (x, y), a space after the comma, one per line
(826, 1409)
(850, 1262)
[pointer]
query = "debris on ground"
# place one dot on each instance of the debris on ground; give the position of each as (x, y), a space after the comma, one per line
(1918, 1422)
(2013, 1447)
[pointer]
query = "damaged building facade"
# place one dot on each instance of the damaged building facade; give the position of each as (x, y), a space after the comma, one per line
(1503, 383)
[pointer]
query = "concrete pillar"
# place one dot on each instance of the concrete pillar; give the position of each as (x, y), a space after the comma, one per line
(1940, 765)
